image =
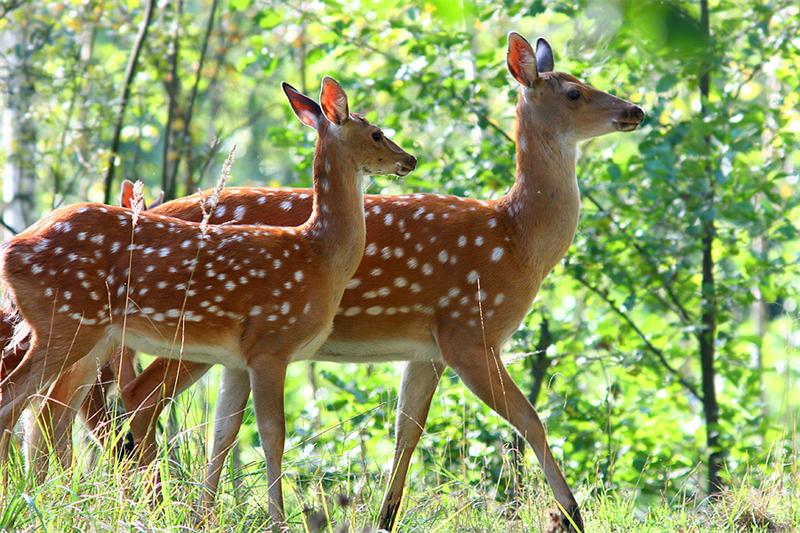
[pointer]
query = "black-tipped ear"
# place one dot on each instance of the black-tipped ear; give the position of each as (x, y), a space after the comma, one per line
(334, 101)
(306, 109)
(521, 60)
(544, 56)
(126, 194)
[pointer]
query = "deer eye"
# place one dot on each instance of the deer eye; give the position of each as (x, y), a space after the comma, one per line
(377, 136)
(573, 94)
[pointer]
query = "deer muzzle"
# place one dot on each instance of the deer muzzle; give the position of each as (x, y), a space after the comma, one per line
(629, 118)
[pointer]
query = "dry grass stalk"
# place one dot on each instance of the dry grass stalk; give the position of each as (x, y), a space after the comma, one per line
(209, 204)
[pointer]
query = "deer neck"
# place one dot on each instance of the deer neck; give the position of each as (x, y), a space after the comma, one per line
(544, 201)
(337, 216)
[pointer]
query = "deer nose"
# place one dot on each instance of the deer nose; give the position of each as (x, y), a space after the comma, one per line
(636, 113)
(409, 162)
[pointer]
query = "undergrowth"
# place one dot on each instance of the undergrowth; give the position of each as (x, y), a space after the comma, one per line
(102, 492)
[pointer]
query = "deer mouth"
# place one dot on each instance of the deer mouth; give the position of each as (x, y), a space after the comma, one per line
(403, 171)
(625, 125)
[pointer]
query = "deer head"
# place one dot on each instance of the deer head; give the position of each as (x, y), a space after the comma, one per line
(370, 150)
(557, 100)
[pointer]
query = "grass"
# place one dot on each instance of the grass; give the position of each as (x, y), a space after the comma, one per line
(328, 492)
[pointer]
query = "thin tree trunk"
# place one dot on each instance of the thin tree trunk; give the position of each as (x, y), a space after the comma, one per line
(86, 39)
(18, 131)
(130, 73)
(761, 243)
(186, 138)
(708, 334)
(171, 127)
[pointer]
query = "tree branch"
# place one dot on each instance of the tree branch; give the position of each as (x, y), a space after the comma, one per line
(7, 6)
(649, 345)
(130, 73)
(185, 144)
(681, 310)
(7, 226)
(172, 86)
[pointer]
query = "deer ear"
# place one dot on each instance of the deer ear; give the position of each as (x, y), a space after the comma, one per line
(334, 101)
(544, 56)
(126, 194)
(521, 60)
(158, 201)
(306, 109)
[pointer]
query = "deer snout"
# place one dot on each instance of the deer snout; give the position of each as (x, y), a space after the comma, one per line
(635, 113)
(629, 118)
(406, 164)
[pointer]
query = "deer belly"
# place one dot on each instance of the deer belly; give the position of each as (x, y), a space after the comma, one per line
(308, 350)
(377, 351)
(221, 350)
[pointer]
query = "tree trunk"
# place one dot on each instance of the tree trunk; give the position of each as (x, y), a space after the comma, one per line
(18, 132)
(708, 334)
(130, 73)
(172, 128)
(185, 145)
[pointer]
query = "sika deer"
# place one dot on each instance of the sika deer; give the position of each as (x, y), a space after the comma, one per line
(90, 277)
(397, 308)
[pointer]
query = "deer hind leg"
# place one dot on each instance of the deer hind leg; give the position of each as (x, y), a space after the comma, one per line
(267, 383)
(484, 374)
(46, 358)
(146, 396)
(53, 426)
(95, 409)
(82, 386)
(122, 366)
(96, 414)
(418, 384)
(231, 402)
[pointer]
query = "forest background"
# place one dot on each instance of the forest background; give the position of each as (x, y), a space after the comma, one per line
(662, 353)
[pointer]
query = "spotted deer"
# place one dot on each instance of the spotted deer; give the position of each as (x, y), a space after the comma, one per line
(444, 280)
(90, 277)
(94, 409)
(51, 423)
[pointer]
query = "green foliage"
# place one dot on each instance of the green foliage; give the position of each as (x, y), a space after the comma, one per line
(622, 398)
